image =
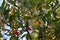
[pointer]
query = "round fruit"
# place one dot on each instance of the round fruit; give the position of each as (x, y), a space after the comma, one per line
(37, 23)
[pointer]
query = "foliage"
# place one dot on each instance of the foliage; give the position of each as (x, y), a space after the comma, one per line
(47, 10)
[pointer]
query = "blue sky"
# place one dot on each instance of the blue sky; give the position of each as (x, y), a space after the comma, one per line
(1, 2)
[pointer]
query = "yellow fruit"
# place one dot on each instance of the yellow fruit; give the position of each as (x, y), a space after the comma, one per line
(37, 24)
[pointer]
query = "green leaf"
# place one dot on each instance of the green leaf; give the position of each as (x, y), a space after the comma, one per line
(3, 4)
